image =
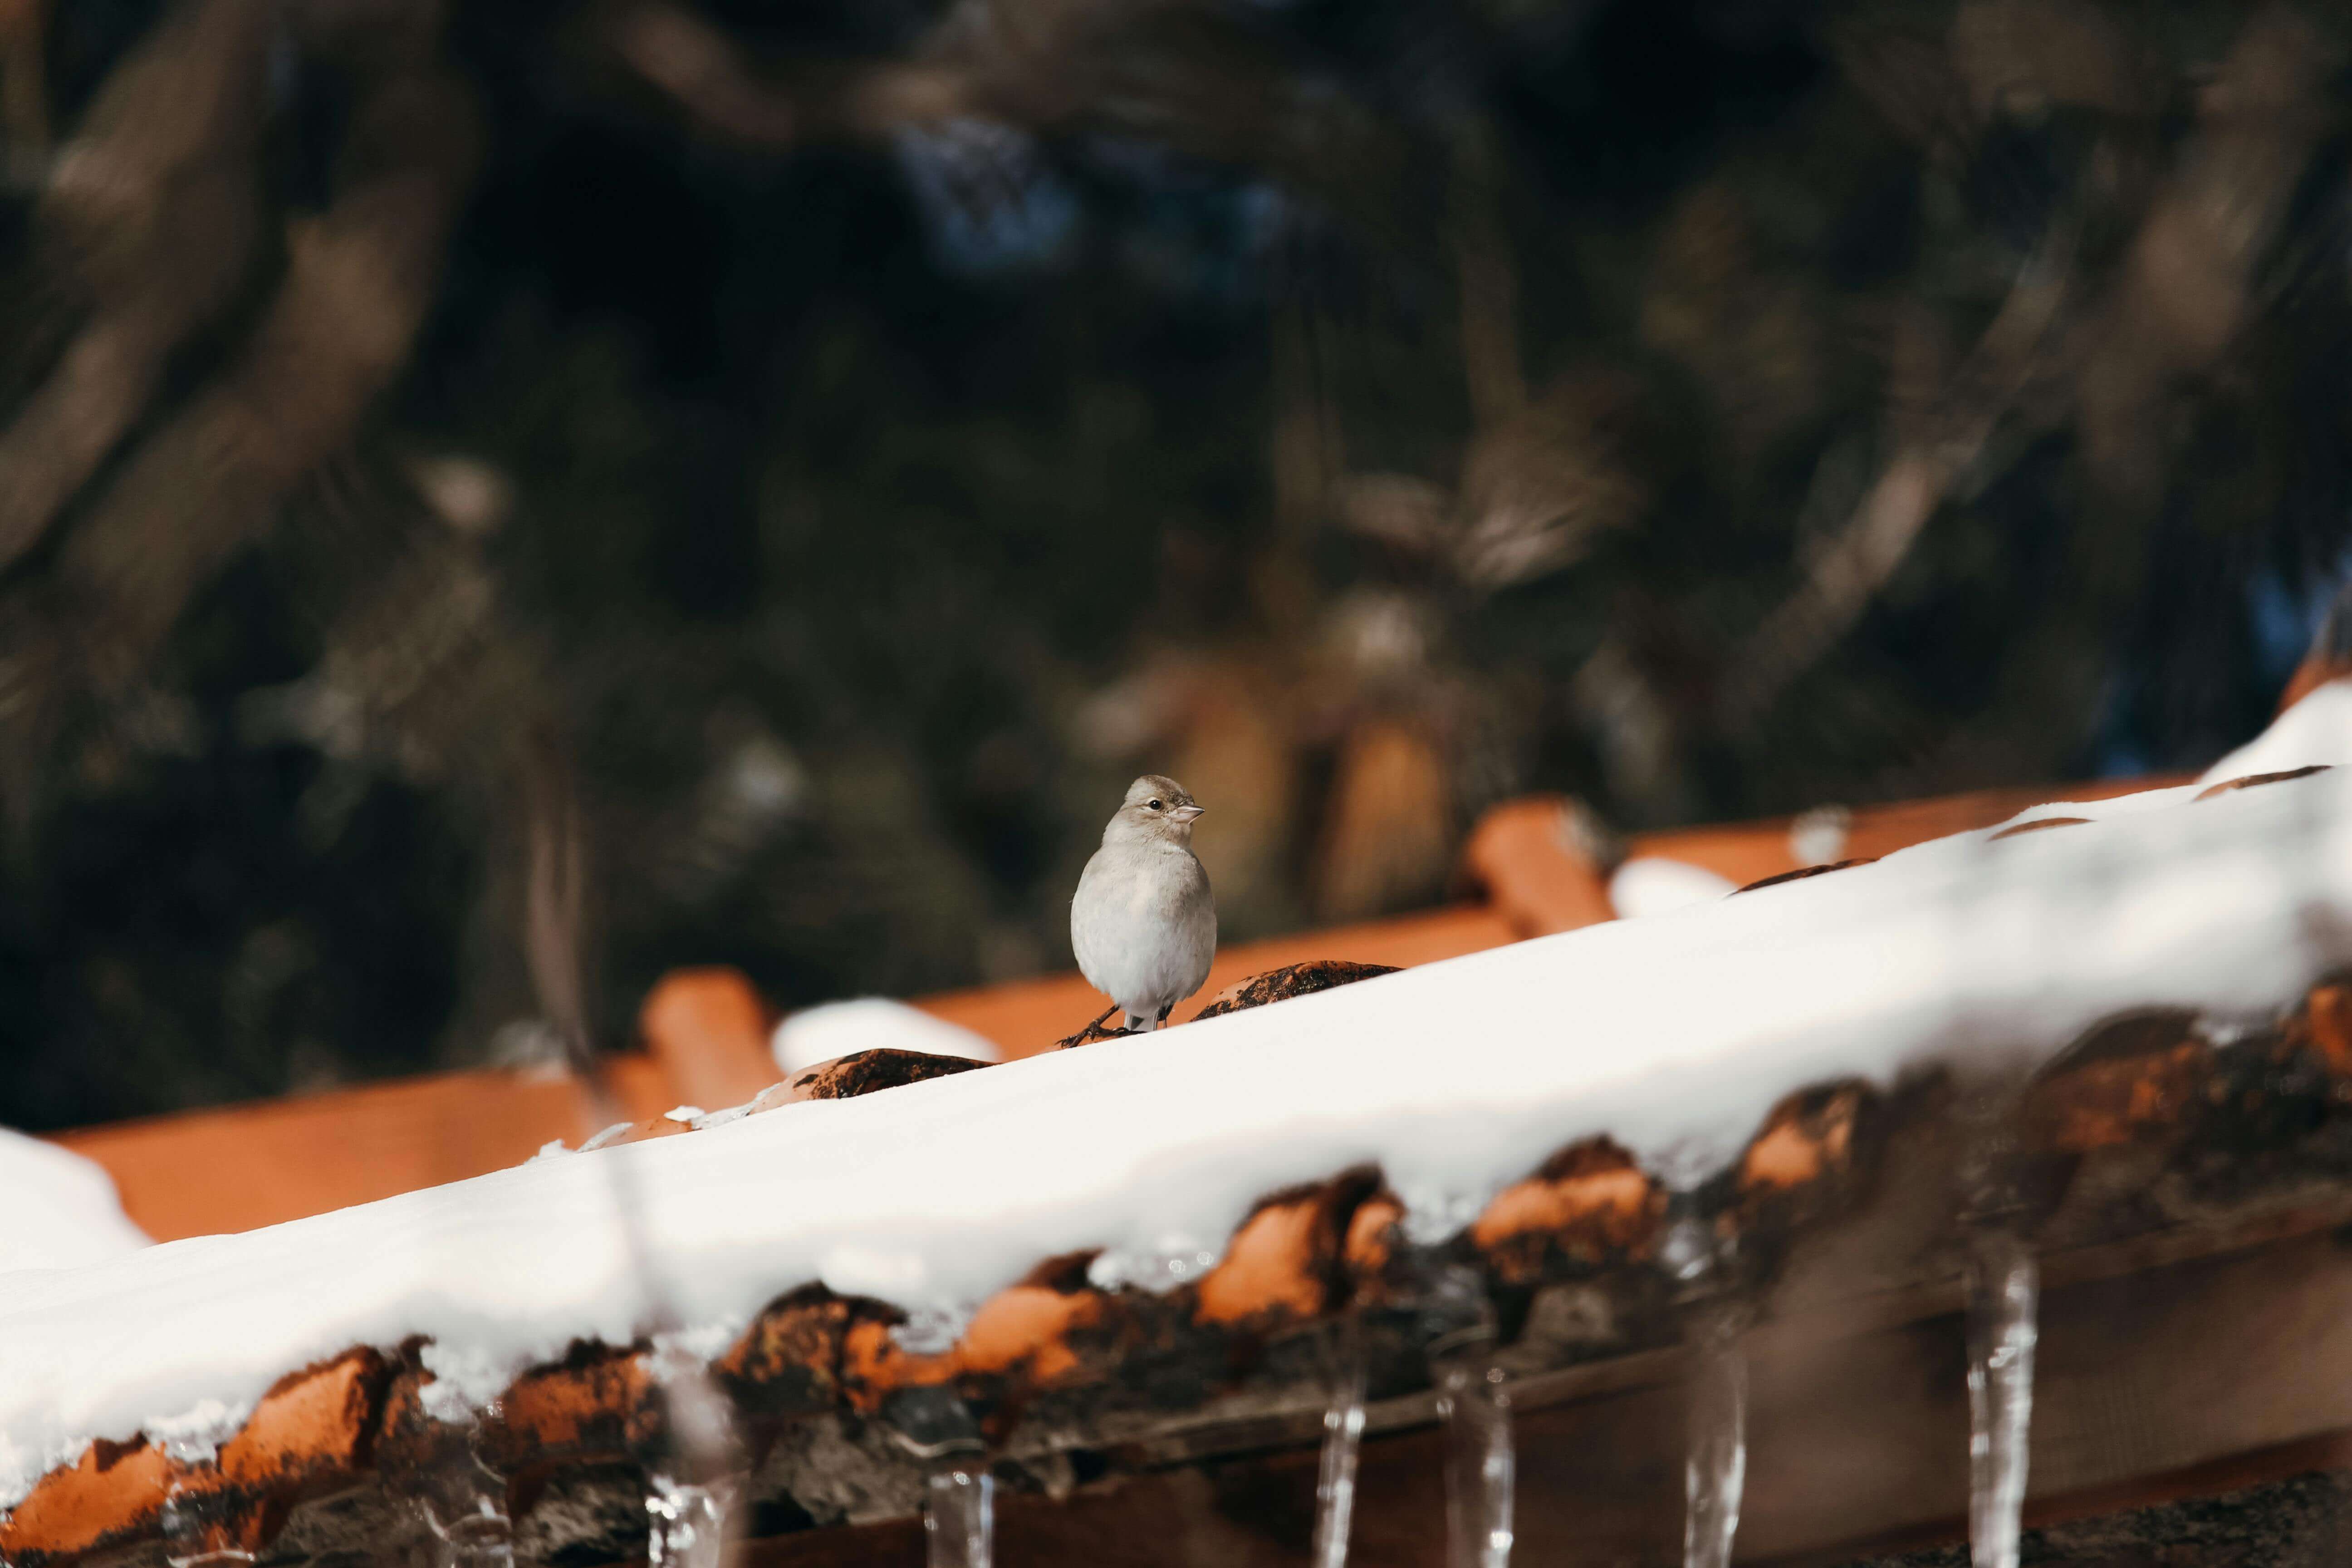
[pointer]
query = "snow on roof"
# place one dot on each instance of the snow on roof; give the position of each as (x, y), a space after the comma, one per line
(1652, 884)
(1673, 1035)
(2316, 730)
(60, 1211)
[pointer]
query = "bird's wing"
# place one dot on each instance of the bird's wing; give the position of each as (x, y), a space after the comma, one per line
(1085, 919)
(1200, 938)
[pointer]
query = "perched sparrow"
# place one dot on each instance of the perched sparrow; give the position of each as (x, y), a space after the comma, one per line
(1144, 922)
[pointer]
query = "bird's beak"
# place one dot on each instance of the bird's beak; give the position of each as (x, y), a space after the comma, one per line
(1186, 813)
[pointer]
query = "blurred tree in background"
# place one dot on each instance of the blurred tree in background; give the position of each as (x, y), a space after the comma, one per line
(830, 448)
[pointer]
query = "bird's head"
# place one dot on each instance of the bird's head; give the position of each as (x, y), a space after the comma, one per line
(1156, 808)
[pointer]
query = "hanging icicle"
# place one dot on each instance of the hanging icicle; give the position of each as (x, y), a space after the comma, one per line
(960, 1511)
(686, 1519)
(687, 1522)
(1715, 1465)
(1475, 1412)
(1343, 1434)
(2004, 1287)
(1481, 1465)
(2002, 1283)
(934, 1426)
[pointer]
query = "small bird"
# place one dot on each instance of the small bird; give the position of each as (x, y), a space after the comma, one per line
(1144, 922)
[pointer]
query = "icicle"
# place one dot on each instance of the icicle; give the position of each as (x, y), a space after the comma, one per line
(688, 1522)
(2004, 1292)
(197, 1532)
(1343, 1434)
(934, 1426)
(2003, 1288)
(960, 1511)
(1458, 1322)
(1480, 1464)
(1715, 1464)
(1714, 1468)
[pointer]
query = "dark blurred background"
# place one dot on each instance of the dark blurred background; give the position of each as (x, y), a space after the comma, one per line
(832, 446)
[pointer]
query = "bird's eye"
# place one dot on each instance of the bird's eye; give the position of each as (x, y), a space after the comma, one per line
(1155, 805)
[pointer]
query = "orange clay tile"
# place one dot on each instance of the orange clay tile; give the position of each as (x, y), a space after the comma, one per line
(1800, 1145)
(2328, 1020)
(1027, 1329)
(872, 1365)
(1270, 1269)
(1799, 1165)
(775, 1097)
(655, 1127)
(789, 1360)
(1534, 874)
(1587, 1201)
(1021, 1332)
(317, 1422)
(708, 1029)
(240, 1167)
(107, 1495)
(1370, 1241)
(313, 1426)
(2126, 1079)
(2100, 1104)
(582, 1407)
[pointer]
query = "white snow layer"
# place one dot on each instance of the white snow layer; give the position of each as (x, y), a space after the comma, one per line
(58, 1210)
(1674, 1035)
(2316, 730)
(1654, 885)
(838, 1028)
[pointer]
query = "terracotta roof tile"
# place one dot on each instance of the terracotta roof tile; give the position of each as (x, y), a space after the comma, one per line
(312, 1430)
(708, 1029)
(1589, 1204)
(2149, 1081)
(1299, 1258)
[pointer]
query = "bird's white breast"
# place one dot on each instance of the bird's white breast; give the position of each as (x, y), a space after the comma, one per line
(1142, 924)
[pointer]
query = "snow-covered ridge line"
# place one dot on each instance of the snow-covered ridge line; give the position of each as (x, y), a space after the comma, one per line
(1673, 1035)
(57, 1209)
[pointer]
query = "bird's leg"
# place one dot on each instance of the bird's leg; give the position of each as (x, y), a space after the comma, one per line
(1099, 1018)
(1161, 1022)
